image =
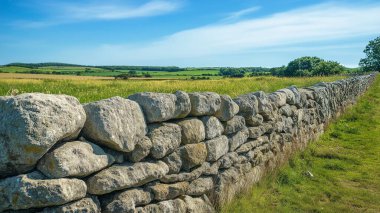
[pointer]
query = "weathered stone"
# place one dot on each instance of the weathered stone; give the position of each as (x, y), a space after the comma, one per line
(200, 186)
(31, 190)
(216, 148)
(192, 129)
(182, 104)
(142, 149)
(236, 124)
(264, 107)
(193, 155)
(290, 98)
(165, 137)
(204, 103)
(126, 175)
(167, 206)
(87, 204)
(255, 132)
(198, 205)
(252, 144)
(278, 98)
(248, 105)
(255, 120)
(116, 122)
(237, 139)
(186, 176)
(228, 108)
(228, 160)
(174, 162)
(286, 110)
(163, 191)
(126, 201)
(74, 159)
(31, 123)
(213, 127)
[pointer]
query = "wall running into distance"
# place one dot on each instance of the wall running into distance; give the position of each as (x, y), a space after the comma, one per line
(155, 152)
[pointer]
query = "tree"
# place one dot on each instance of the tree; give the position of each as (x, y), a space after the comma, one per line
(372, 60)
(310, 66)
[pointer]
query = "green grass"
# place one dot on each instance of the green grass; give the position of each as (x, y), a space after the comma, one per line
(92, 90)
(345, 163)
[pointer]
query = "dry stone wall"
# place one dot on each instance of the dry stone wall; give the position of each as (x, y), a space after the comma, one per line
(154, 152)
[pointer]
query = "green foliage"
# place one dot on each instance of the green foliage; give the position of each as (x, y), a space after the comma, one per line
(309, 66)
(372, 60)
(344, 162)
(232, 72)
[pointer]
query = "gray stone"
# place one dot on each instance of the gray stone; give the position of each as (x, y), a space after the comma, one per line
(192, 129)
(252, 144)
(216, 148)
(255, 132)
(200, 186)
(165, 137)
(116, 122)
(126, 175)
(264, 106)
(228, 160)
(88, 204)
(182, 104)
(228, 108)
(126, 201)
(213, 127)
(204, 103)
(237, 139)
(290, 98)
(31, 190)
(286, 110)
(164, 191)
(248, 105)
(255, 120)
(160, 107)
(142, 149)
(167, 206)
(174, 162)
(278, 98)
(236, 124)
(186, 176)
(31, 123)
(193, 155)
(198, 205)
(74, 159)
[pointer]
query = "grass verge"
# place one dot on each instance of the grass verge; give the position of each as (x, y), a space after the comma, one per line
(338, 173)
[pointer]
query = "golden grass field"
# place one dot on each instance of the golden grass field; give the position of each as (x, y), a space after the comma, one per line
(88, 88)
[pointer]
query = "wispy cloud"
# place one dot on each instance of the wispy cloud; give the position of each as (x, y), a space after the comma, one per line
(308, 26)
(239, 14)
(107, 10)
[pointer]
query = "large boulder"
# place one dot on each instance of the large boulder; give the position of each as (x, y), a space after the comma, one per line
(165, 137)
(31, 123)
(213, 127)
(74, 159)
(228, 108)
(126, 175)
(192, 129)
(204, 103)
(216, 148)
(88, 204)
(33, 190)
(117, 123)
(126, 201)
(248, 105)
(160, 107)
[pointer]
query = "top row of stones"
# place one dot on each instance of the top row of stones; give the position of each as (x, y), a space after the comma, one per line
(158, 107)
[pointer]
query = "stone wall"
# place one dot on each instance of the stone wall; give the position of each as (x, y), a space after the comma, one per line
(155, 152)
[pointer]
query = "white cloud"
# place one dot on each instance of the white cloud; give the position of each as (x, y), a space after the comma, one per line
(236, 15)
(305, 26)
(63, 13)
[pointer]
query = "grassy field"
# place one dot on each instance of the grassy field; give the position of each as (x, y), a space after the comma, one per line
(345, 163)
(87, 90)
(93, 71)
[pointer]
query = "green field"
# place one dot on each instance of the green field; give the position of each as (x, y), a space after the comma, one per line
(87, 90)
(345, 164)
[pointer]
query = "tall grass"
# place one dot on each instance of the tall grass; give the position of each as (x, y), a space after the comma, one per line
(87, 90)
(345, 168)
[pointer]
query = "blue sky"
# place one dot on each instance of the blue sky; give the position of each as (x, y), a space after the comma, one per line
(185, 32)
